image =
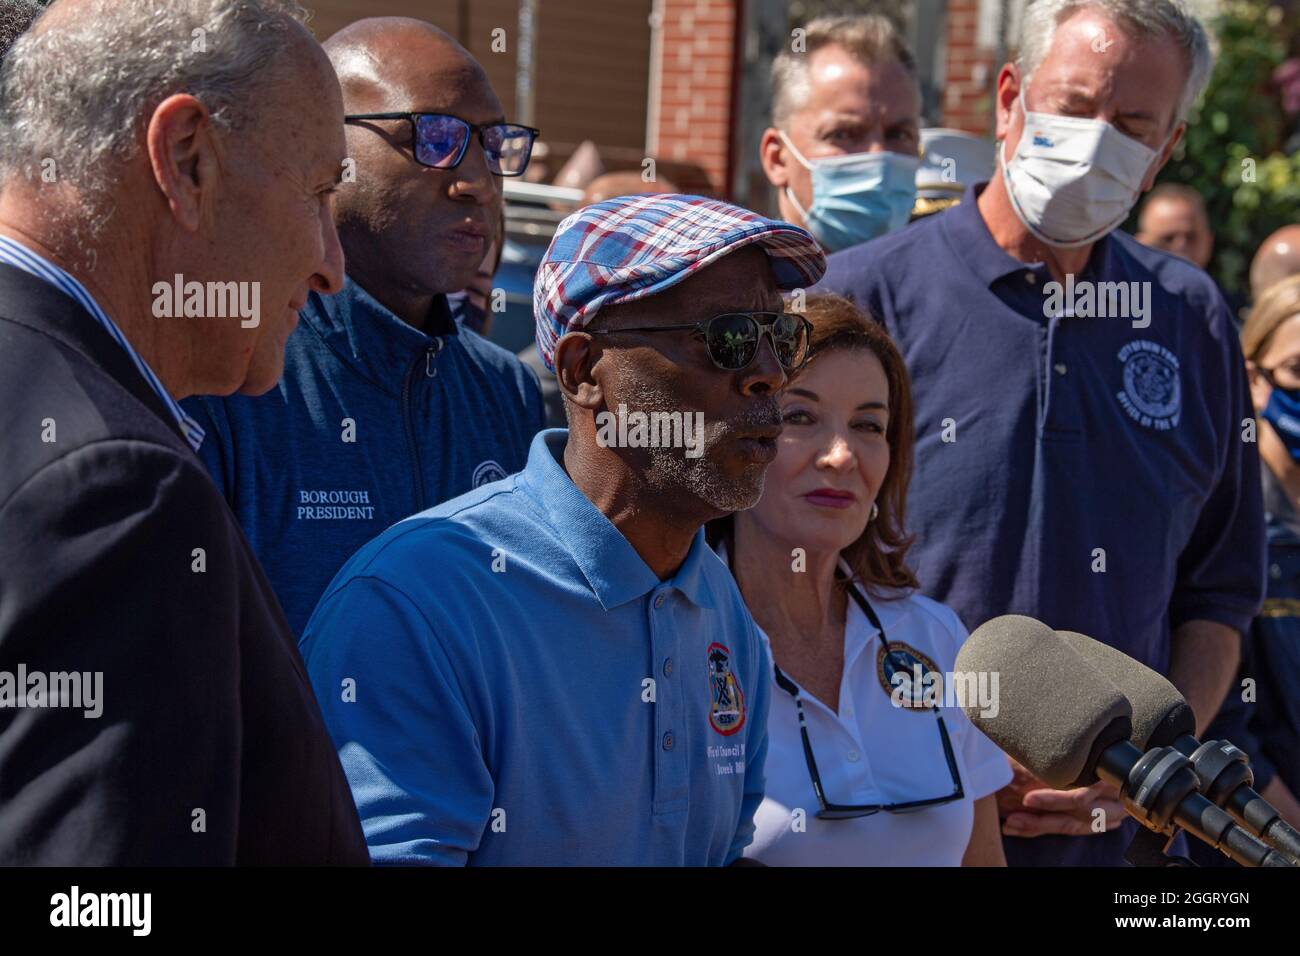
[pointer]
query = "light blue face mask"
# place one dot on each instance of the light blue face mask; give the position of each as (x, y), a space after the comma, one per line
(856, 197)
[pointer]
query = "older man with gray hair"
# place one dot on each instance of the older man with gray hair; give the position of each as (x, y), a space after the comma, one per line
(1083, 449)
(168, 167)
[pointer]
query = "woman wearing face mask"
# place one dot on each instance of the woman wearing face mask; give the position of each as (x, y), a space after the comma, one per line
(1269, 728)
(862, 768)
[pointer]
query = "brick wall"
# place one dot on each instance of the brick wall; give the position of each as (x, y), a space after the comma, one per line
(593, 59)
(970, 72)
(695, 86)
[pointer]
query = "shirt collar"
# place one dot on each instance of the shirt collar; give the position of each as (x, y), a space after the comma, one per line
(859, 632)
(858, 629)
(889, 610)
(612, 567)
(969, 235)
(367, 336)
(33, 263)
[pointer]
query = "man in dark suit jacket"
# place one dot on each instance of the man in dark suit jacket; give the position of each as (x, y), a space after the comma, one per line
(153, 706)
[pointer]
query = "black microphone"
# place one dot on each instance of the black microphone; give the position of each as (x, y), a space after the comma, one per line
(1162, 718)
(1070, 726)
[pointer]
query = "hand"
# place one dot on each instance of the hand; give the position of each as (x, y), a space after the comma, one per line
(1030, 808)
(1011, 797)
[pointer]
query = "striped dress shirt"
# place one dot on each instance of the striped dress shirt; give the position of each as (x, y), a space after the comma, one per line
(17, 255)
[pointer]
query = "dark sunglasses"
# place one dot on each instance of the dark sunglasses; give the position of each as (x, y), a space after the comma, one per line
(733, 338)
(441, 140)
(840, 811)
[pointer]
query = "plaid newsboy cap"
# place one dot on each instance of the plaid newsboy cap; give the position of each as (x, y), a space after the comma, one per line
(632, 247)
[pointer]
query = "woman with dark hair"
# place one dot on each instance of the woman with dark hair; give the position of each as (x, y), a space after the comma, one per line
(869, 762)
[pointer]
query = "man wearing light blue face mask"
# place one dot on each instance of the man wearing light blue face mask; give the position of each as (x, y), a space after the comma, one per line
(844, 145)
(1081, 456)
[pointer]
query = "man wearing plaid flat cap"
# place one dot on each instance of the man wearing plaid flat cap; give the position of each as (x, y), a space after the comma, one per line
(554, 668)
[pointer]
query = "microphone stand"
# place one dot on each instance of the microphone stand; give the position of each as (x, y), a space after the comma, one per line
(1226, 779)
(1149, 848)
(1160, 790)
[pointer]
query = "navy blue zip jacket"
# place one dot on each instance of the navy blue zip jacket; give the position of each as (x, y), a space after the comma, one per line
(372, 421)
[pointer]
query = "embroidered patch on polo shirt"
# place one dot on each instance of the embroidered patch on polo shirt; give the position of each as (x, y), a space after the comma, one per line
(908, 671)
(727, 707)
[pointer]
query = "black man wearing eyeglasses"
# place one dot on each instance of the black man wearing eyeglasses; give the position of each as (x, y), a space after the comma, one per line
(386, 406)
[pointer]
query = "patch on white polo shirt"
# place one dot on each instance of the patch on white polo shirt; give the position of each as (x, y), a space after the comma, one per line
(910, 679)
(487, 473)
(1153, 393)
(727, 707)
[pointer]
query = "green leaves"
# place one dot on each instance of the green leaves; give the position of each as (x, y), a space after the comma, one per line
(1232, 152)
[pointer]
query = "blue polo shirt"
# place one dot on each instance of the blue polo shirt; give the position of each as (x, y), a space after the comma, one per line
(508, 683)
(373, 421)
(1079, 470)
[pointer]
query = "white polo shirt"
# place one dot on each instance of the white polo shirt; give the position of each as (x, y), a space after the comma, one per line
(874, 752)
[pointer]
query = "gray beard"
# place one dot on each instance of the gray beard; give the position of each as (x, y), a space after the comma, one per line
(670, 471)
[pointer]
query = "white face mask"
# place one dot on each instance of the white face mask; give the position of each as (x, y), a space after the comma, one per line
(1073, 180)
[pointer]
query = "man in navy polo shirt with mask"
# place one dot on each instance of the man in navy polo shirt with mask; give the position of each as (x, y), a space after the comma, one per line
(1084, 439)
(386, 407)
(556, 669)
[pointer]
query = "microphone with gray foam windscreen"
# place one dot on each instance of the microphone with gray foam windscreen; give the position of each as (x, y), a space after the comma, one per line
(1069, 725)
(1056, 700)
(1162, 718)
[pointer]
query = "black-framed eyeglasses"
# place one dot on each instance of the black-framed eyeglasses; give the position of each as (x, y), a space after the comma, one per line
(840, 811)
(733, 338)
(440, 140)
